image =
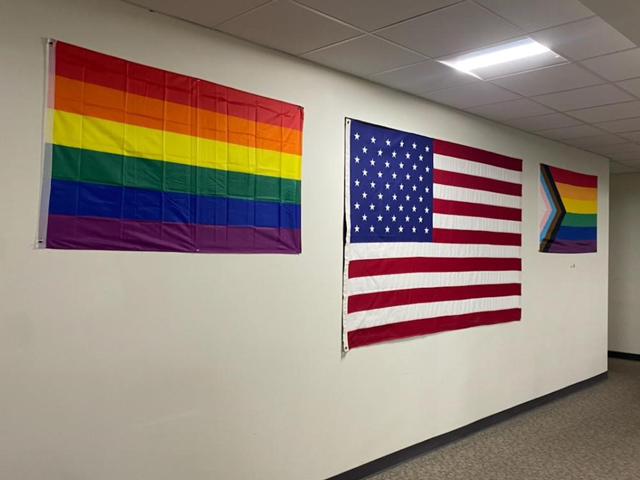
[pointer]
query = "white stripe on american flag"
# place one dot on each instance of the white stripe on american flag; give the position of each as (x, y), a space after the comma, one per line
(404, 313)
(457, 222)
(427, 280)
(361, 251)
(447, 192)
(452, 164)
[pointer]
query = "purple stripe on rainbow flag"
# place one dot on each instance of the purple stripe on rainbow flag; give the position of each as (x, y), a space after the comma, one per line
(569, 246)
(92, 233)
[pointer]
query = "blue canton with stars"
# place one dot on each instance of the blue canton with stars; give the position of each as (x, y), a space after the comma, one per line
(391, 185)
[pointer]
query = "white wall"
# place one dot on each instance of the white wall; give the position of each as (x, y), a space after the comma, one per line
(150, 366)
(624, 278)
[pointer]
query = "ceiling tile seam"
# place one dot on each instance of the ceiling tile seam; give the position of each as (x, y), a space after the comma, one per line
(399, 22)
(520, 28)
(610, 53)
(367, 34)
(397, 68)
(570, 112)
(251, 10)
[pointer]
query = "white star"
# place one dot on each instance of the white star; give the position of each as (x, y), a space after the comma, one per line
(401, 165)
(357, 135)
(414, 146)
(393, 154)
(386, 164)
(408, 155)
(357, 182)
(386, 185)
(388, 143)
(413, 209)
(379, 153)
(393, 219)
(379, 196)
(402, 143)
(357, 159)
(420, 157)
(408, 176)
(364, 172)
(395, 197)
(364, 149)
(420, 177)
(426, 189)
(364, 218)
(414, 188)
(379, 218)
(407, 198)
(357, 228)
(386, 229)
(413, 229)
(420, 198)
(401, 208)
(427, 169)
(357, 206)
(415, 167)
(394, 175)
(426, 148)
(401, 186)
(372, 206)
(371, 229)
(420, 219)
(387, 207)
(373, 184)
(372, 162)
(364, 194)
(400, 228)
(426, 230)
(373, 139)
(379, 174)
(406, 219)
(426, 210)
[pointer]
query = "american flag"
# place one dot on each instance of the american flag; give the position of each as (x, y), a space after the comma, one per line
(433, 236)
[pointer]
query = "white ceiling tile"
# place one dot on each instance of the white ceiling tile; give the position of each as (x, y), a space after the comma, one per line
(570, 132)
(632, 86)
(548, 80)
(535, 15)
(543, 122)
(605, 113)
(208, 13)
(626, 157)
(423, 77)
(633, 136)
(463, 26)
(510, 110)
(616, 66)
(374, 14)
(288, 27)
(616, 168)
(621, 126)
(619, 148)
(584, 97)
(364, 56)
(597, 140)
(471, 95)
(584, 39)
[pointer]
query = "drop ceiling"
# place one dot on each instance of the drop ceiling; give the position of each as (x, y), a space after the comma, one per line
(591, 101)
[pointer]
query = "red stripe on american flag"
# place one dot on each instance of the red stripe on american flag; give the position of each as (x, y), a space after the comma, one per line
(468, 209)
(477, 237)
(391, 266)
(410, 296)
(476, 155)
(463, 180)
(394, 331)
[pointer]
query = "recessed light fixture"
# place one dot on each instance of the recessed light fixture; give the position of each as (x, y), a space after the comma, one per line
(513, 57)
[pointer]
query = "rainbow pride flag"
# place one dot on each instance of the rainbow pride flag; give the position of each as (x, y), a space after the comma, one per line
(568, 211)
(138, 158)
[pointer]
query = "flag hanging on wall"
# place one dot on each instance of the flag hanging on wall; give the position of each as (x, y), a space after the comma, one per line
(138, 158)
(433, 236)
(568, 211)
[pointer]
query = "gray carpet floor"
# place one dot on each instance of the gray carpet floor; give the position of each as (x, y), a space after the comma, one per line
(591, 434)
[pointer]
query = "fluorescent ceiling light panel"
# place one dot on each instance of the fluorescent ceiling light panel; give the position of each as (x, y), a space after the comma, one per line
(506, 59)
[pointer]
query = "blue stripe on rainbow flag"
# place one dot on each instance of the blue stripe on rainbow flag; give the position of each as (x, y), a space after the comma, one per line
(576, 233)
(95, 200)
